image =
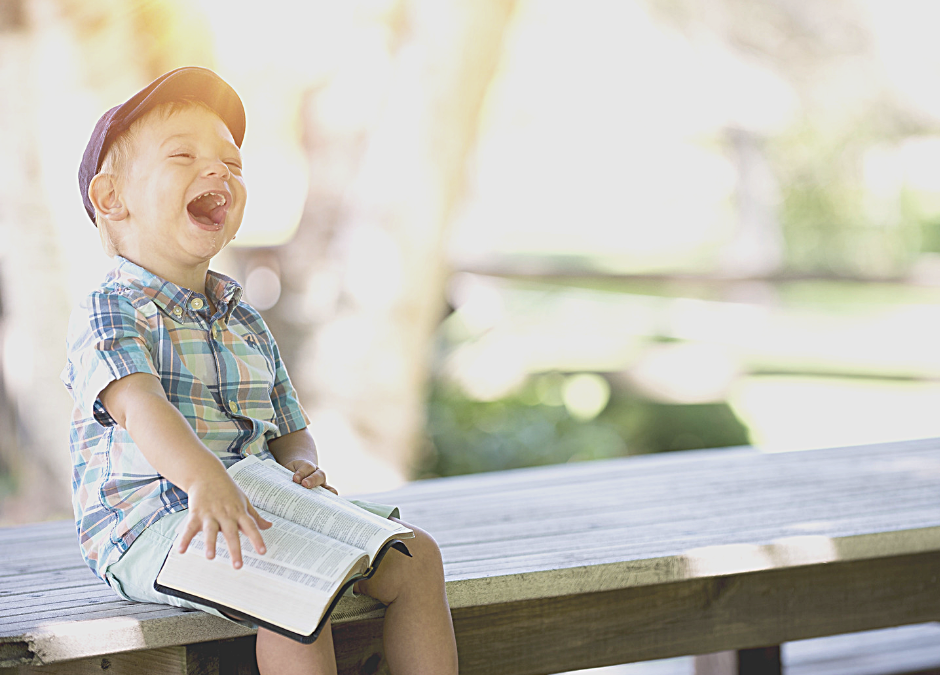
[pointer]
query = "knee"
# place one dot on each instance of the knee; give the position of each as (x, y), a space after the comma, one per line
(398, 573)
(424, 563)
(425, 553)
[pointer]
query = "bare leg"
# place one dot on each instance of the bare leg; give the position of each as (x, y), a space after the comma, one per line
(418, 633)
(279, 655)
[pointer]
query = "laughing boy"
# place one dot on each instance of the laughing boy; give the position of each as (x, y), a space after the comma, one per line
(175, 377)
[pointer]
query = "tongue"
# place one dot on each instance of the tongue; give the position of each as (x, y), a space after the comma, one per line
(217, 215)
(206, 212)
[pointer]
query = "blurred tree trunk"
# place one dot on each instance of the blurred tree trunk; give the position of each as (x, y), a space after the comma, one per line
(367, 266)
(363, 368)
(34, 441)
(51, 52)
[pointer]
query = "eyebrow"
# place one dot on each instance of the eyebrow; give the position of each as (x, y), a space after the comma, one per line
(190, 137)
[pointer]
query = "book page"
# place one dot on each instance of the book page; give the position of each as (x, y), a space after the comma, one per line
(272, 489)
(291, 585)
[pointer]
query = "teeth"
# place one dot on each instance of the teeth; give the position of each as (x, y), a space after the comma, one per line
(219, 199)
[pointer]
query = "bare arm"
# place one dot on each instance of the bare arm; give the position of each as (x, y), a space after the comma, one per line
(138, 404)
(298, 452)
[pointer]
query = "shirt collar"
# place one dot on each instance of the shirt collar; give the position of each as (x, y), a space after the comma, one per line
(175, 300)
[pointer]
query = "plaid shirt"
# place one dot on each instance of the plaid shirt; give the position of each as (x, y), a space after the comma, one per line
(223, 372)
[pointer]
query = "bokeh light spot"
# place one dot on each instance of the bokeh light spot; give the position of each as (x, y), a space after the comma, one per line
(585, 395)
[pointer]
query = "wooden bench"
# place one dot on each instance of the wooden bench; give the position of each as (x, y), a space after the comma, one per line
(567, 567)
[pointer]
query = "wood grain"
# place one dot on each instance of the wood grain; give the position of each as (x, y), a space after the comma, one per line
(528, 544)
(165, 661)
(737, 612)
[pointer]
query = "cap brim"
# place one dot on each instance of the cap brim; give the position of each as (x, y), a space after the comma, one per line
(190, 83)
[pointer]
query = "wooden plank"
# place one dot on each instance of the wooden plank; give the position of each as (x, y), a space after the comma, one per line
(166, 627)
(39, 583)
(641, 538)
(510, 586)
(503, 588)
(165, 661)
(668, 519)
(55, 555)
(784, 504)
(35, 532)
(73, 617)
(905, 650)
(548, 505)
(702, 564)
(628, 543)
(708, 500)
(737, 612)
(82, 595)
(787, 492)
(895, 651)
(226, 657)
(677, 466)
(507, 521)
(674, 512)
(685, 475)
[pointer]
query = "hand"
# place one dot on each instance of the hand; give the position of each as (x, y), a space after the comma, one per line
(216, 505)
(309, 474)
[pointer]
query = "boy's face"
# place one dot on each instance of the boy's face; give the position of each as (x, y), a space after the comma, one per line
(183, 191)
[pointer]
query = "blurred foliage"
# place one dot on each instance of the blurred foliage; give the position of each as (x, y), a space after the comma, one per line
(831, 221)
(532, 427)
(930, 237)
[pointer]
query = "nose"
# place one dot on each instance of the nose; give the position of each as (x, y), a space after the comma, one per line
(218, 168)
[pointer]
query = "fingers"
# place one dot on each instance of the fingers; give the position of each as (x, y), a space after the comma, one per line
(302, 468)
(258, 518)
(309, 475)
(230, 531)
(314, 479)
(250, 524)
(192, 527)
(210, 530)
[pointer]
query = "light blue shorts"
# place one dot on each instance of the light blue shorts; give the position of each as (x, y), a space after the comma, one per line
(133, 575)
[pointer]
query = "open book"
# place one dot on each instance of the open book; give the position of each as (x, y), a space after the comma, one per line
(318, 547)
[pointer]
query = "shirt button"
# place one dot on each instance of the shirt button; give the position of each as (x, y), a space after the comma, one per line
(233, 407)
(196, 304)
(178, 311)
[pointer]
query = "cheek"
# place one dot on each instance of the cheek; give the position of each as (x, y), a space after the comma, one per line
(241, 197)
(161, 193)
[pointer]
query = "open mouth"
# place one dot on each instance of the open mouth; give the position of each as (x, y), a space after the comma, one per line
(209, 208)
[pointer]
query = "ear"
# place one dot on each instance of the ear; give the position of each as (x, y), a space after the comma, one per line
(102, 191)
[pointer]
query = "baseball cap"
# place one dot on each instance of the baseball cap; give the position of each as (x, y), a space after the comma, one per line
(200, 84)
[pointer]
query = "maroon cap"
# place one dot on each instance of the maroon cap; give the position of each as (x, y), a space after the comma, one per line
(189, 83)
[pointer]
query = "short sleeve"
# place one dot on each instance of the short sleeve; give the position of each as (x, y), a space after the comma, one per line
(289, 415)
(108, 339)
